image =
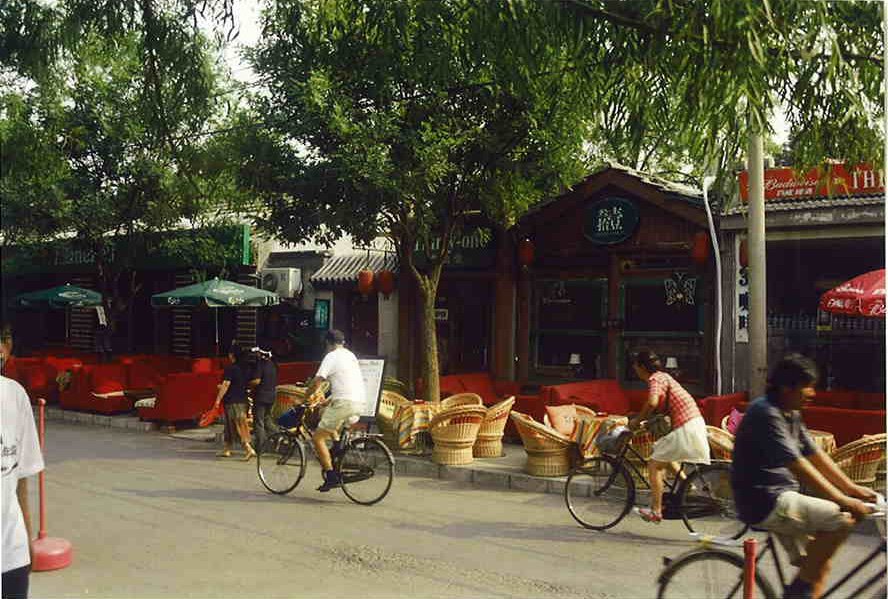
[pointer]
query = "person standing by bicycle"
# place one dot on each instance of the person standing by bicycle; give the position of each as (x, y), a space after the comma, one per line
(347, 396)
(773, 453)
(686, 442)
(264, 384)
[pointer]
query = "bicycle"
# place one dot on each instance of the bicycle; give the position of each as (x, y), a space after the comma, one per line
(718, 572)
(364, 463)
(601, 491)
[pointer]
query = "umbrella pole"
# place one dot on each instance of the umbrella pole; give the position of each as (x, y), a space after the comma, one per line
(216, 314)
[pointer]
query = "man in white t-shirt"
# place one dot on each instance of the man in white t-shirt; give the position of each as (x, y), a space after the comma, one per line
(21, 458)
(347, 397)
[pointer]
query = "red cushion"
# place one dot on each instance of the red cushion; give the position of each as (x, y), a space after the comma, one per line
(481, 384)
(202, 365)
(108, 386)
(870, 401)
(601, 395)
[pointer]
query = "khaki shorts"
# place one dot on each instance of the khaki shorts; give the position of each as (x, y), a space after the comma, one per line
(336, 415)
(797, 516)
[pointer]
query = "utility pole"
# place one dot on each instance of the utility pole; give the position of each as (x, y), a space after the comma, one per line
(758, 324)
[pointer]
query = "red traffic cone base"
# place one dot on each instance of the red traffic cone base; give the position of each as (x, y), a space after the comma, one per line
(51, 553)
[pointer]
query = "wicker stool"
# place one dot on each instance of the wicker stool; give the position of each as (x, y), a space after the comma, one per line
(461, 399)
(490, 435)
(454, 432)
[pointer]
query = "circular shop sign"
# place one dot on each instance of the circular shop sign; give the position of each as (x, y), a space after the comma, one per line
(609, 221)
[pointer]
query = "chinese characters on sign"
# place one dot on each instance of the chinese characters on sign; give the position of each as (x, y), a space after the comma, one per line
(609, 221)
(741, 306)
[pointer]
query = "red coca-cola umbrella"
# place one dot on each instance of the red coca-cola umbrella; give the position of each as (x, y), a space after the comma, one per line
(861, 296)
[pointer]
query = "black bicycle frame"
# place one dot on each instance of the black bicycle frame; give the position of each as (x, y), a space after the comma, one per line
(620, 458)
(769, 547)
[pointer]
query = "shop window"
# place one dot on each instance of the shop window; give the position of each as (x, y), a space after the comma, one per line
(662, 305)
(567, 334)
(665, 316)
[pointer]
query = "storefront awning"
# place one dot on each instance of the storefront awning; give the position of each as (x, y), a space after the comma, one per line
(345, 267)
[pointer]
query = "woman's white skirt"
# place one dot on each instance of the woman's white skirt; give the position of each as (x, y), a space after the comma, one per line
(687, 443)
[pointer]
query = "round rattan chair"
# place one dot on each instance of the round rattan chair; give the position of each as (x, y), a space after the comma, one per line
(860, 459)
(392, 384)
(461, 399)
(389, 402)
(721, 443)
(454, 432)
(490, 435)
(549, 453)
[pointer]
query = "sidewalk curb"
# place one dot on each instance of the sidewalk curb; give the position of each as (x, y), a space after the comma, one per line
(124, 421)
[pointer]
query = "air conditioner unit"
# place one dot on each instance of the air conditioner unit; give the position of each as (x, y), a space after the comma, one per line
(286, 282)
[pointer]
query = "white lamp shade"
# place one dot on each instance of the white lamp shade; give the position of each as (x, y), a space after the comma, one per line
(574, 359)
(671, 362)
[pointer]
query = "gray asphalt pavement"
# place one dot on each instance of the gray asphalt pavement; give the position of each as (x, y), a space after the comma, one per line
(154, 516)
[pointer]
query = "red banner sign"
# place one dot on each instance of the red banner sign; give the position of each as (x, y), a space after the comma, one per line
(838, 180)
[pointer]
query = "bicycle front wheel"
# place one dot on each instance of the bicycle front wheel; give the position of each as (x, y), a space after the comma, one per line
(712, 574)
(367, 470)
(599, 493)
(707, 503)
(280, 463)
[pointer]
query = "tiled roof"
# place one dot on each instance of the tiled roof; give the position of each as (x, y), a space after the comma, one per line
(344, 268)
(655, 181)
(811, 204)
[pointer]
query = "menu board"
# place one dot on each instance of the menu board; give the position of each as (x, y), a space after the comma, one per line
(372, 371)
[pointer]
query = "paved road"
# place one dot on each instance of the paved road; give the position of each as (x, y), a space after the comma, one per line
(152, 516)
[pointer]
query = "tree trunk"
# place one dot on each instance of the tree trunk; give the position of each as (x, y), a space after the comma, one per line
(428, 356)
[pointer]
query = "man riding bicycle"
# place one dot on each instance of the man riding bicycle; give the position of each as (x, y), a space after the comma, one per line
(339, 367)
(773, 453)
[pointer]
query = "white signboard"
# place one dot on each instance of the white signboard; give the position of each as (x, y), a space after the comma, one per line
(371, 369)
(741, 296)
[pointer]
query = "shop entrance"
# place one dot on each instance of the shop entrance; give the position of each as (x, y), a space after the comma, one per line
(463, 313)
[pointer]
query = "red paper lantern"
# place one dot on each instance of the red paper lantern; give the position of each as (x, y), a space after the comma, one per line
(700, 250)
(365, 282)
(385, 282)
(526, 252)
(744, 254)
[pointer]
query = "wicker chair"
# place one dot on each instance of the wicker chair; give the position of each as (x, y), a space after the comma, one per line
(860, 459)
(454, 432)
(392, 384)
(490, 436)
(389, 402)
(721, 443)
(549, 453)
(461, 399)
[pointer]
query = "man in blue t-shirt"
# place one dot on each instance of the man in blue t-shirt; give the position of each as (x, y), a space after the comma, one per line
(773, 453)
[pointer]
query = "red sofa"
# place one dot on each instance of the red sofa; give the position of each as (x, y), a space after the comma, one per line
(290, 373)
(183, 396)
(846, 420)
(601, 395)
(491, 392)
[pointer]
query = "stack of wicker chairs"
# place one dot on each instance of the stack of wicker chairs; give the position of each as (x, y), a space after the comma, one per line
(549, 453)
(860, 459)
(454, 431)
(721, 443)
(461, 399)
(490, 436)
(389, 402)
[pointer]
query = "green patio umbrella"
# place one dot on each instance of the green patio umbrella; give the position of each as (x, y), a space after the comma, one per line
(215, 293)
(64, 296)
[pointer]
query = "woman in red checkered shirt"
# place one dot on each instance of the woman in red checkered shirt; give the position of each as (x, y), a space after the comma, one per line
(686, 442)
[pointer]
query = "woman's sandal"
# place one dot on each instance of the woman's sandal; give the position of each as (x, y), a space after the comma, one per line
(249, 455)
(225, 453)
(649, 515)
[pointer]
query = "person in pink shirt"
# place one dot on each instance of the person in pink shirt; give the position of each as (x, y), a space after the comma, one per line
(686, 442)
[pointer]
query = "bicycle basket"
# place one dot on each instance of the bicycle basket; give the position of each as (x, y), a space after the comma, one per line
(291, 418)
(611, 441)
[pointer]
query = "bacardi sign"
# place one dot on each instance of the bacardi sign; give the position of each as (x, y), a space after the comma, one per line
(836, 180)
